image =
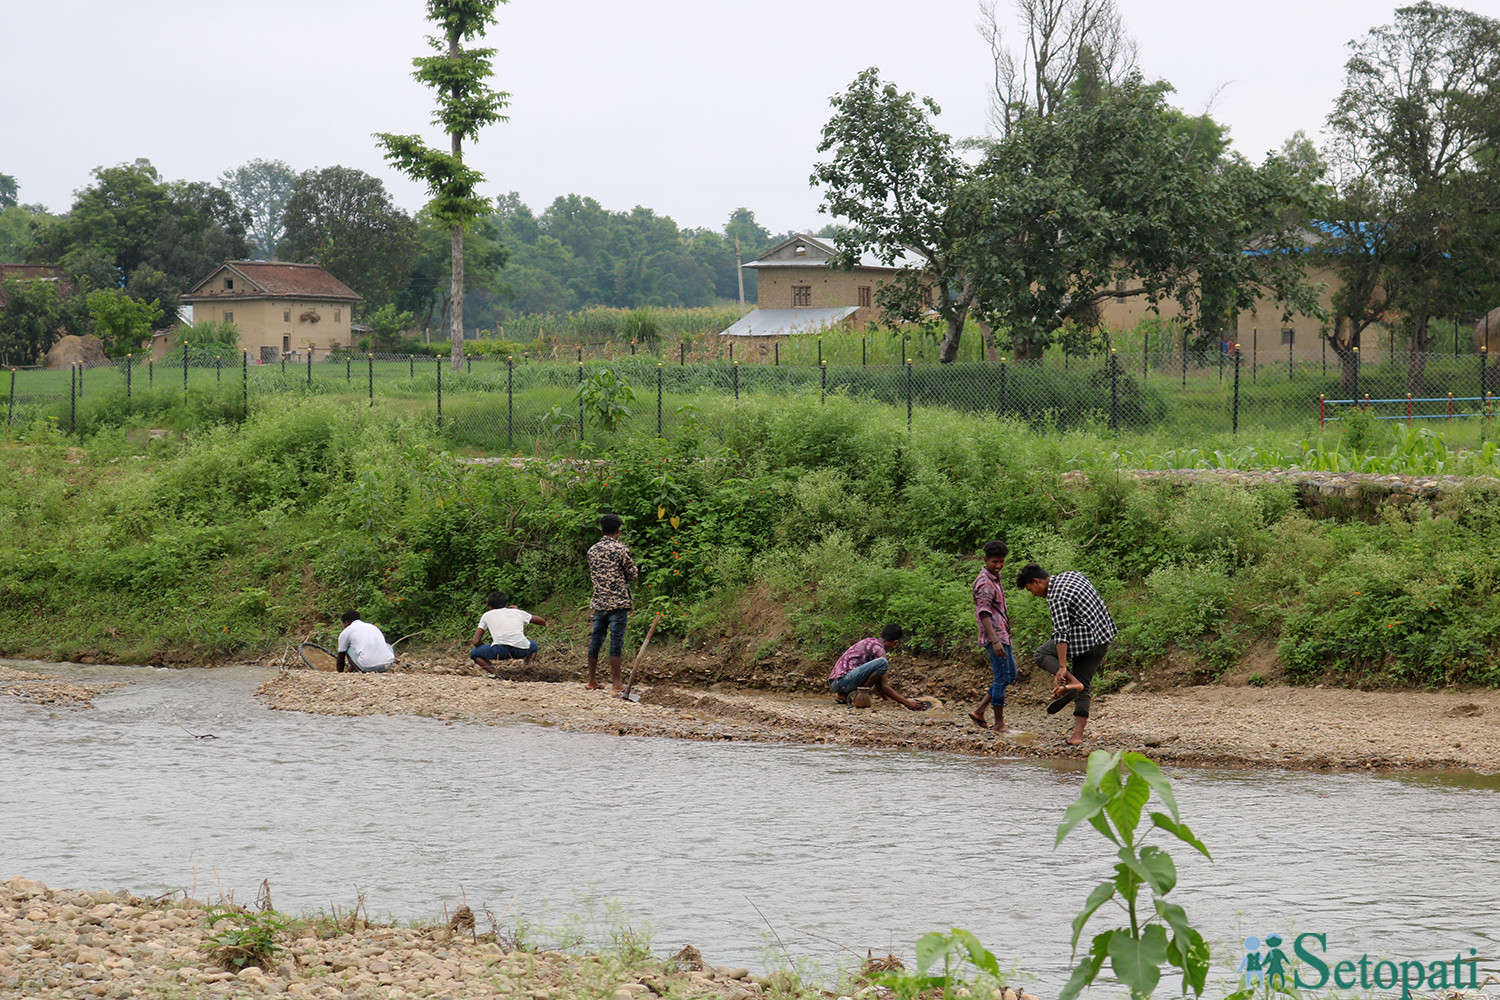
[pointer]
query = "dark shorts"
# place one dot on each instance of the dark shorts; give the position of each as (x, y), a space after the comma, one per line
(494, 651)
(612, 623)
(1083, 666)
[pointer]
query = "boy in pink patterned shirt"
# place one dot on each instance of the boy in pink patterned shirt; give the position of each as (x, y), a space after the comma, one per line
(865, 663)
(994, 633)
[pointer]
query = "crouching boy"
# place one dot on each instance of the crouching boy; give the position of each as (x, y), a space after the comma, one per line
(864, 663)
(507, 627)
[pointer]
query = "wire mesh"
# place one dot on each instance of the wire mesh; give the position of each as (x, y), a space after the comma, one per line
(525, 405)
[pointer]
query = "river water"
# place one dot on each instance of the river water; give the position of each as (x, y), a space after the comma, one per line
(742, 850)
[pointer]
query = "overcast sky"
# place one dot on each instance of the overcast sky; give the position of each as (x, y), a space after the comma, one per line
(688, 107)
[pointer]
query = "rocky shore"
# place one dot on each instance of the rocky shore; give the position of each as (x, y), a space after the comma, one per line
(1227, 725)
(57, 943)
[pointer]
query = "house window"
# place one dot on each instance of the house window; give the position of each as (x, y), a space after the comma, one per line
(229, 284)
(1287, 333)
(336, 314)
(864, 295)
(228, 317)
(286, 345)
(1120, 290)
(286, 315)
(801, 295)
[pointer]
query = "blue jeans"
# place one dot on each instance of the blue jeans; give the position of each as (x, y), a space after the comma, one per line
(494, 651)
(614, 623)
(859, 675)
(1004, 669)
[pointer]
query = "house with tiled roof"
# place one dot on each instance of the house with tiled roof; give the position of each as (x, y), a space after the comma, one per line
(278, 308)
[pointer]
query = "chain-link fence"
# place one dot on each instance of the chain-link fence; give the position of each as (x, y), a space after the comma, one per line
(515, 405)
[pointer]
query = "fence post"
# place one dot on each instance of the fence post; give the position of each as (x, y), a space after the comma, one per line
(129, 364)
(1484, 354)
(1114, 391)
(820, 348)
(80, 378)
(469, 362)
(1184, 357)
(580, 394)
(370, 363)
(1145, 354)
(244, 385)
(1004, 370)
(184, 368)
(736, 378)
(731, 350)
(1289, 374)
(348, 368)
(283, 362)
(1355, 351)
(1323, 410)
(150, 372)
(510, 402)
(1408, 409)
(1324, 341)
(1236, 418)
(864, 355)
(908, 397)
(682, 352)
(439, 366)
(10, 413)
(777, 348)
(1254, 350)
(218, 369)
(658, 399)
(309, 367)
(411, 364)
(72, 398)
(580, 354)
(823, 392)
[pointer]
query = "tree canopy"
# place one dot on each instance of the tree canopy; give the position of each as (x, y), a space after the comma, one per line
(345, 220)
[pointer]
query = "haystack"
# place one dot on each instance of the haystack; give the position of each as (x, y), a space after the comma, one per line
(1488, 329)
(87, 350)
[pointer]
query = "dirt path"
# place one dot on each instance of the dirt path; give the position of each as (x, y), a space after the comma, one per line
(1235, 726)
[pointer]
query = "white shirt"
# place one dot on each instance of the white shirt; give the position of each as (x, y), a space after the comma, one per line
(366, 644)
(507, 626)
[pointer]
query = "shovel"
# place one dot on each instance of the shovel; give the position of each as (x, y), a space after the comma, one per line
(636, 662)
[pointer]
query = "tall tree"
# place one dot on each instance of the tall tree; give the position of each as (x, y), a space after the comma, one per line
(1121, 199)
(1418, 123)
(9, 191)
(898, 181)
(261, 188)
(345, 220)
(1066, 45)
(130, 229)
(466, 104)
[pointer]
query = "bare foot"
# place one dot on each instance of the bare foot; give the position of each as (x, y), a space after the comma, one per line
(591, 687)
(1070, 741)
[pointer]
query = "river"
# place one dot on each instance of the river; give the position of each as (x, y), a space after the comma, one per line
(749, 852)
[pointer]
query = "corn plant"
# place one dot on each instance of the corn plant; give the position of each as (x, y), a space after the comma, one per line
(1115, 792)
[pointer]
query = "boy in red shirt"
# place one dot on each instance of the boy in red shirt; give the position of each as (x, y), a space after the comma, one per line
(865, 663)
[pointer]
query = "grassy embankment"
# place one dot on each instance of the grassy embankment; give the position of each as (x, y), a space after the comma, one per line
(225, 538)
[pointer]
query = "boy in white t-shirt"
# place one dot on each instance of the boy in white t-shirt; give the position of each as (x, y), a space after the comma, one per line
(507, 628)
(362, 647)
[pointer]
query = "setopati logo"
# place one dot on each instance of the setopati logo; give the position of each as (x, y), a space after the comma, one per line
(1266, 965)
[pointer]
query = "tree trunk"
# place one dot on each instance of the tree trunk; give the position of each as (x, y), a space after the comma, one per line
(456, 297)
(1416, 361)
(456, 285)
(987, 333)
(948, 347)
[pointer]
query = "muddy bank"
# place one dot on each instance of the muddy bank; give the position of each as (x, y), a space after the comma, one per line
(1280, 727)
(63, 943)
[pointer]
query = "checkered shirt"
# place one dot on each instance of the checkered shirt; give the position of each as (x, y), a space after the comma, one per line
(1079, 616)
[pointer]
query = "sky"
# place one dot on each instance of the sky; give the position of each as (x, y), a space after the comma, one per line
(691, 108)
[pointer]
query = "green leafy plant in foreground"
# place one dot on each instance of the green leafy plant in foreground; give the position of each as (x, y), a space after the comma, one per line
(1115, 792)
(248, 939)
(956, 950)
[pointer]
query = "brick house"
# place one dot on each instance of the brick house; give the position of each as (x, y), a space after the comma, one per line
(278, 308)
(33, 272)
(799, 292)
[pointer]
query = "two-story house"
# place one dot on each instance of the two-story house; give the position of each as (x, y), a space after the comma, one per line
(278, 308)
